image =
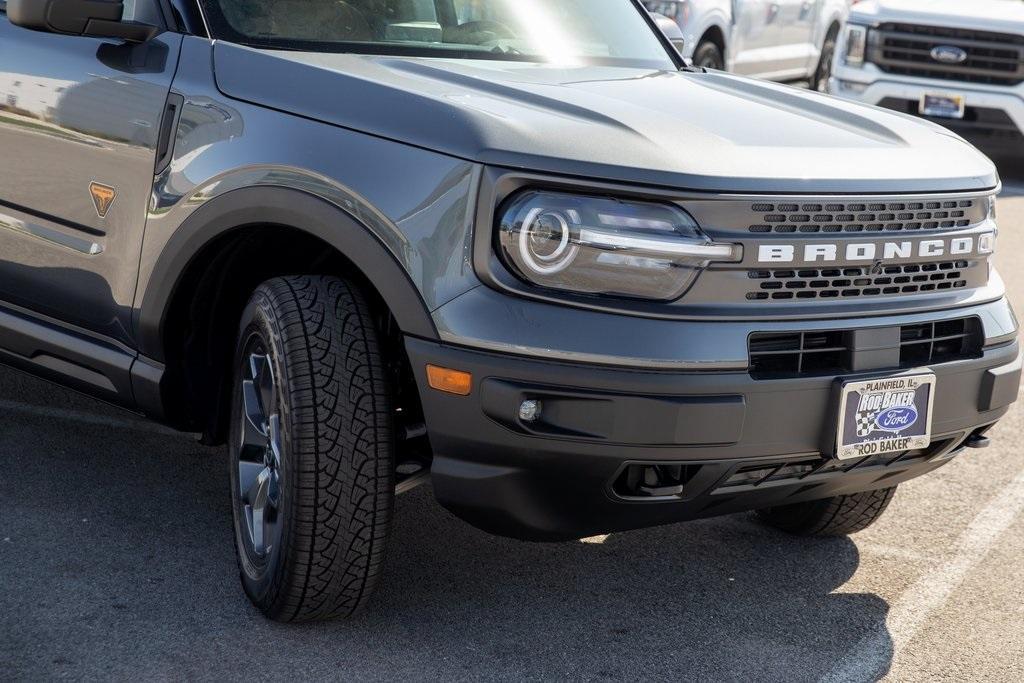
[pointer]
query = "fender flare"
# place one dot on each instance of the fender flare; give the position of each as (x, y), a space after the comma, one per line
(715, 22)
(291, 208)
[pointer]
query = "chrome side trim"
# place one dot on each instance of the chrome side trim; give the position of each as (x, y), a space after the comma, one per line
(82, 246)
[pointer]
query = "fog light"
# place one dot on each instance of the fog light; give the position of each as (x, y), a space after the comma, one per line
(529, 411)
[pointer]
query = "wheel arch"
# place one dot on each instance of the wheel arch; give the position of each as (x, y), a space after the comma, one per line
(716, 35)
(203, 255)
(827, 25)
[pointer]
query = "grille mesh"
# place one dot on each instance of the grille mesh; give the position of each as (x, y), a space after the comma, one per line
(991, 58)
(847, 217)
(836, 283)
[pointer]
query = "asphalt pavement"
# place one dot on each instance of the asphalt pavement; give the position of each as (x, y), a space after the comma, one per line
(116, 562)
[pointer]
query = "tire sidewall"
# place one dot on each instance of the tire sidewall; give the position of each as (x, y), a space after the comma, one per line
(261, 577)
(709, 50)
(824, 71)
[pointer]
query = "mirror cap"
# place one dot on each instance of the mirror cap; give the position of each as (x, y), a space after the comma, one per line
(97, 18)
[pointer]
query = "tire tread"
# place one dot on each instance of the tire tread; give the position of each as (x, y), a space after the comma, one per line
(341, 446)
(836, 516)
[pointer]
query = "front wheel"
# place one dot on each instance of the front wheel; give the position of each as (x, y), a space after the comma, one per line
(836, 516)
(819, 81)
(312, 477)
(708, 56)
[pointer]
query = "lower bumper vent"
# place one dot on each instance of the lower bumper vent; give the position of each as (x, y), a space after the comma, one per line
(776, 355)
(668, 481)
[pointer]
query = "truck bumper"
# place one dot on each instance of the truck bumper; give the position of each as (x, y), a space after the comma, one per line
(994, 120)
(730, 442)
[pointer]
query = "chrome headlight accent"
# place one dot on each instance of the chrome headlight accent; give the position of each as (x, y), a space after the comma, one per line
(856, 45)
(598, 245)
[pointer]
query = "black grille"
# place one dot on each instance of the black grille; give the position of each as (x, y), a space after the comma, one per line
(940, 342)
(991, 58)
(776, 355)
(833, 217)
(799, 353)
(841, 283)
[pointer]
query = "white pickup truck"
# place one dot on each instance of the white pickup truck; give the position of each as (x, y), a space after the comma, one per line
(780, 40)
(957, 63)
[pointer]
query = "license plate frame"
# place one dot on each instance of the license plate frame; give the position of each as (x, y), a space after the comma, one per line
(943, 105)
(878, 417)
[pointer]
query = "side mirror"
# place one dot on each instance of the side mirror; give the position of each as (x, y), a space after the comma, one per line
(95, 18)
(671, 30)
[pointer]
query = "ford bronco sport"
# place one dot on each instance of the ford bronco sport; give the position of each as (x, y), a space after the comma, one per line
(516, 245)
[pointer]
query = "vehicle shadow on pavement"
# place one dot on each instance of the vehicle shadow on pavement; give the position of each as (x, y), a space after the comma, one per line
(116, 551)
(1012, 174)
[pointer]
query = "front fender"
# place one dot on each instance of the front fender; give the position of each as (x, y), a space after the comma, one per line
(400, 213)
(287, 207)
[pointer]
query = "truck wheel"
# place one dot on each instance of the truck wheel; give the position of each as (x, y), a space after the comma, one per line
(836, 516)
(819, 81)
(312, 477)
(708, 56)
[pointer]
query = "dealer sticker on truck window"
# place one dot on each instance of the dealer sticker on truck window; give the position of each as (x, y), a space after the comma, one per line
(888, 415)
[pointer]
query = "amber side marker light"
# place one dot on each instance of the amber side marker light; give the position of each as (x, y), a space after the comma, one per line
(449, 381)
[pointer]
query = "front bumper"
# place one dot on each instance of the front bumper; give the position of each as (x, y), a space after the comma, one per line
(559, 478)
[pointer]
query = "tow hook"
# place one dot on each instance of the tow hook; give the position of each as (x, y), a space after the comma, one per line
(977, 441)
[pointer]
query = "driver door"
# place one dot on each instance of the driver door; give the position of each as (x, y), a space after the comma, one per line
(79, 124)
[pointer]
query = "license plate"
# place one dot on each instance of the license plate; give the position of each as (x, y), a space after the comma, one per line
(943, 106)
(887, 415)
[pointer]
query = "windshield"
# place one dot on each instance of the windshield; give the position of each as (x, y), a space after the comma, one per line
(609, 32)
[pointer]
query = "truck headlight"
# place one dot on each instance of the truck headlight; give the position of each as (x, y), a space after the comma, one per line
(596, 245)
(856, 45)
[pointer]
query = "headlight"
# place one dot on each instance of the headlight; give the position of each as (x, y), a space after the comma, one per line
(594, 245)
(856, 44)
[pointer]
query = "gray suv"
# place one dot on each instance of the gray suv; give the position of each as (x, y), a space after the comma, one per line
(517, 246)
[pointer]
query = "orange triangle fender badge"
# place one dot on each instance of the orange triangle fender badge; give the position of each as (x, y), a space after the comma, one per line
(102, 198)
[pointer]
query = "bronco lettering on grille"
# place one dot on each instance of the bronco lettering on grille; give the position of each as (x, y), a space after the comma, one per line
(870, 251)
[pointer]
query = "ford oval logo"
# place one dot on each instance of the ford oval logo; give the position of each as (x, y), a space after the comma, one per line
(896, 419)
(949, 54)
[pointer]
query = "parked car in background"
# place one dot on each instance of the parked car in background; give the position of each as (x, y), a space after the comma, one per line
(781, 40)
(671, 30)
(957, 63)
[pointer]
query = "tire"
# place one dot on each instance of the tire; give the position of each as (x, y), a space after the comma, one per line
(837, 516)
(819, 81)
(312, 475)
(708, 55)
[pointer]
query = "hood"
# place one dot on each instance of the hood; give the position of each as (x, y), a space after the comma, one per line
(999, 16)
(700, 131)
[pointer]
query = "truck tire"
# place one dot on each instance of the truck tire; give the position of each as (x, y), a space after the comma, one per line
(708, 56)
(819, 80)
(312, 449)
(836, 516)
